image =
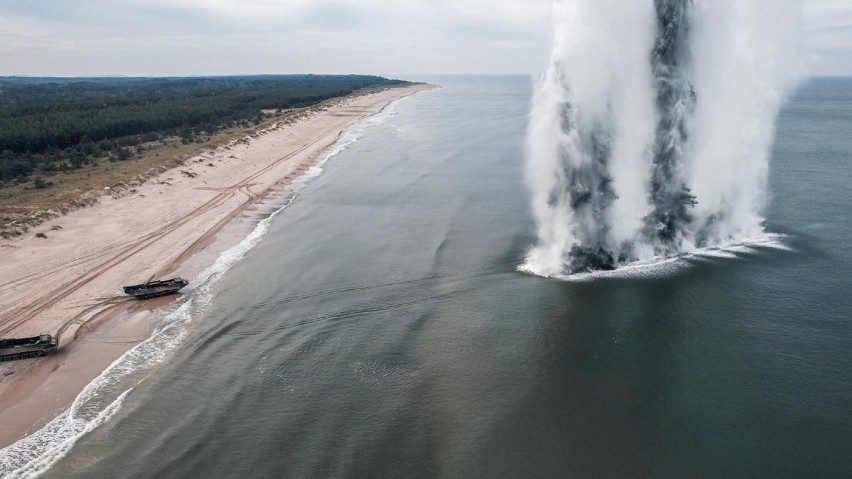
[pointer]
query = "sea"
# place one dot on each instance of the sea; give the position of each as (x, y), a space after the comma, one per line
(375, 324)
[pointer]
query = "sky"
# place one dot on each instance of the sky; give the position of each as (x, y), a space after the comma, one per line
(402, 38)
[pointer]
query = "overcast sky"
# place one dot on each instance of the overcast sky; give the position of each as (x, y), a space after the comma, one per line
(388, 37)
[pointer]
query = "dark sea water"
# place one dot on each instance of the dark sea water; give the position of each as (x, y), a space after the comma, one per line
(381, 329)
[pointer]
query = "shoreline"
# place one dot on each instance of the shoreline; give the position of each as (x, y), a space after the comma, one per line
(69, 282)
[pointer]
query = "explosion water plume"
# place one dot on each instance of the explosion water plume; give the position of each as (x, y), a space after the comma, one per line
(650, 130)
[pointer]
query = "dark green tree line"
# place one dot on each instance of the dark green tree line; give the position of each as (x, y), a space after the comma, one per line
(45, 122)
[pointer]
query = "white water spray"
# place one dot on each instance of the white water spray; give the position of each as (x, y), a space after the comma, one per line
(650, 131)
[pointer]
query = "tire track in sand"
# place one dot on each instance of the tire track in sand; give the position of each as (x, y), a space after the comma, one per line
(45, 298)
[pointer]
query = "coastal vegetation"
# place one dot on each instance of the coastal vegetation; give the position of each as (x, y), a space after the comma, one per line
(55, 125)
(62, 139)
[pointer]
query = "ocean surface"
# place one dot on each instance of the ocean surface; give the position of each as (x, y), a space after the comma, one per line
(378, 327)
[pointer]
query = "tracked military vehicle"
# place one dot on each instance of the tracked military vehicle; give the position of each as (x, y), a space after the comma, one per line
(152, 289)
(22, 348)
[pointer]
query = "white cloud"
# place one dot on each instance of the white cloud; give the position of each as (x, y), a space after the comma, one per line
(828, 25)
(167, 37)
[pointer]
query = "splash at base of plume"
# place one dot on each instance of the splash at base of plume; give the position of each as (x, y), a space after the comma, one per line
(664, 266)
(650, 132)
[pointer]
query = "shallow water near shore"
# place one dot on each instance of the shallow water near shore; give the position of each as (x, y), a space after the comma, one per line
(380, 327)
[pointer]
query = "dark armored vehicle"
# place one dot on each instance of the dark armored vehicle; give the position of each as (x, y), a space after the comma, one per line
(22, 348)
(152, 289)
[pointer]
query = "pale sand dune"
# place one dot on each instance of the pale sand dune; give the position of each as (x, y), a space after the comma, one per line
(70, 282)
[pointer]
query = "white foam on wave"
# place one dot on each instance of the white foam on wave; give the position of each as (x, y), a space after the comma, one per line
(56, 439)
(661, 267)
(101, 399)
(349, 137)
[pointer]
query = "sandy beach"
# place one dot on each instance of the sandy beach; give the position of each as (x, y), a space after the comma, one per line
(68, 282)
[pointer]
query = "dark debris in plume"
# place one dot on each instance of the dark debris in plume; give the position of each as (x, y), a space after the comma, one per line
(671, 199)
(590, 190)
(590, 193)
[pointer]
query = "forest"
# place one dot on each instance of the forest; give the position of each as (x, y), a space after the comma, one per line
(52, 124)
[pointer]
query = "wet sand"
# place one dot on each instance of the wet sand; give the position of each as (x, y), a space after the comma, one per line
(69, 283)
